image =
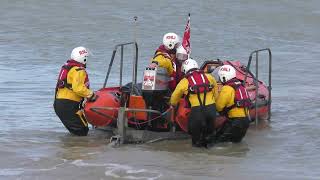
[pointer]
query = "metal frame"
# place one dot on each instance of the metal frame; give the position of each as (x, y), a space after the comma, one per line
(135, 64)
(122, 121)
(256, 79)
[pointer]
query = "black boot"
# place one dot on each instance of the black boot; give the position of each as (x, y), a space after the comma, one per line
(210, 140)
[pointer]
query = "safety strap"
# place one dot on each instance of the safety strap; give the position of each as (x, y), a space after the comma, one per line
(196, 90)
(66, 67)
(238, 103)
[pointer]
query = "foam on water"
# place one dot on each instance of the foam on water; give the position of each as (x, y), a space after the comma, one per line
(122, 171)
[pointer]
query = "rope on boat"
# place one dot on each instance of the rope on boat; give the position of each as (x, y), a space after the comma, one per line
(155, 118)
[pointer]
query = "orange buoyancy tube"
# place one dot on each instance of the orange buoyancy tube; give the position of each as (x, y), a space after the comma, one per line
(103, 111)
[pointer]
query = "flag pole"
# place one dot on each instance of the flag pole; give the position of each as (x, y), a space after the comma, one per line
(186, 37)
(189, 35)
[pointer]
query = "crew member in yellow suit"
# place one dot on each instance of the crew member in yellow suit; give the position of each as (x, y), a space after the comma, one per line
(170, 56)
(236, 110)
(71, 89)
(200, 90)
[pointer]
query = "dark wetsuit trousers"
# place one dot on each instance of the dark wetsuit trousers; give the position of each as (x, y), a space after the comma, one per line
(70, 115)
(201, 124)
(233, 130)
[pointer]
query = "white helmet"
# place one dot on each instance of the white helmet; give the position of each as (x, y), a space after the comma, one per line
(80, 54)
(181, 54)
(171, 40)
(226, 72)
(188, 65)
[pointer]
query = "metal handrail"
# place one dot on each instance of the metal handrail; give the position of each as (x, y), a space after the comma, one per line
(135, 64)
(256, 79)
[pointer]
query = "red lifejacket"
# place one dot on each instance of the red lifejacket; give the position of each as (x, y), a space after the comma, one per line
(176, 75)
(198, 83)
(62, 79)
(241, 98)
(164, 51)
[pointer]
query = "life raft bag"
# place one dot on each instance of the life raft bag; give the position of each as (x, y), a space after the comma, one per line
(198, 83)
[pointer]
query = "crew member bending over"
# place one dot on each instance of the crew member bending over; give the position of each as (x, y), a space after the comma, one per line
(233, 102)
(200, 90)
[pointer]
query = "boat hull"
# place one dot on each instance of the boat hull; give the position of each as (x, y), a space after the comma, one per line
(104, 111)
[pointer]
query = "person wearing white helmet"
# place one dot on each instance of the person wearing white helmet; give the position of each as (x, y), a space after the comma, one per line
(233, 102)
(170, 41)
(200, 90)
(165, 56)
(181, 54)
(71, 89)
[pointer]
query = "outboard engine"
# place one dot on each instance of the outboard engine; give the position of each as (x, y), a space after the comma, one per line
(155, 83)
(155, 89)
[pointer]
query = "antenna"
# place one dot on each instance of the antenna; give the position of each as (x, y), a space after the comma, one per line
(135, 28)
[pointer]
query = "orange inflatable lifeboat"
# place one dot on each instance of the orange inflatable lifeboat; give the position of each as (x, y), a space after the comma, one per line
(138, 107)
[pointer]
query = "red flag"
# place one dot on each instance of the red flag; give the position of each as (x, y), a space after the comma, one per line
(186, 37)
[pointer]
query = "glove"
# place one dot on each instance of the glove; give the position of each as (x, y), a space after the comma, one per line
(93, 98)
(83, 103)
